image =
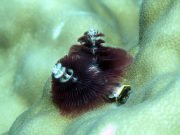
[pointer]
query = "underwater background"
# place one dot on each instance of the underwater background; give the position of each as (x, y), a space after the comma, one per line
(35, 34)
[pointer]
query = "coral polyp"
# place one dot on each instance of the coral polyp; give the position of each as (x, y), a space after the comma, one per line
(84, 79)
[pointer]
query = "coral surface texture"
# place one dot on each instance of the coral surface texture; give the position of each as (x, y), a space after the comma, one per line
(34, 34)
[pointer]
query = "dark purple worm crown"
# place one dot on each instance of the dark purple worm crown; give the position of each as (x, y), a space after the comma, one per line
(84, 78)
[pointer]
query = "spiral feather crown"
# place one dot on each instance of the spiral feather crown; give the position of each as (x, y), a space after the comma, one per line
(83, 79)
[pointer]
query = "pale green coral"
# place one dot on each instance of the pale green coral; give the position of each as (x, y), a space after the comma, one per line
(35, 34)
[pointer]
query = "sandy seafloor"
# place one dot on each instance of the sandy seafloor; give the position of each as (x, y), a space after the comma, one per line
(35, 34)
